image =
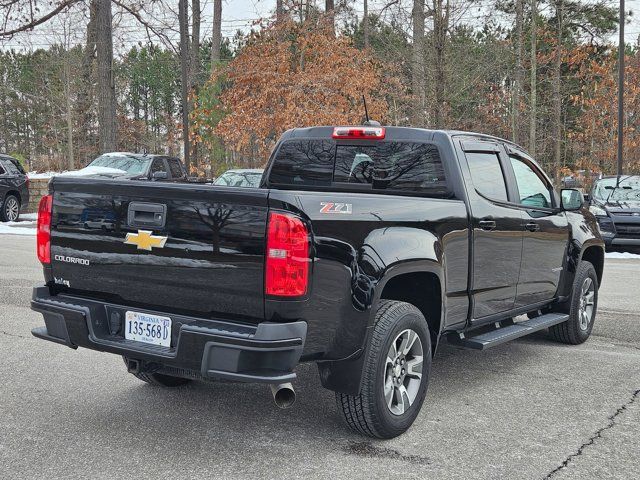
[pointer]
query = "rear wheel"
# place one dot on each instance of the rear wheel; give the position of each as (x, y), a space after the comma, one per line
(10, 211)
(158, 379)
(395, 374)
(581, 306)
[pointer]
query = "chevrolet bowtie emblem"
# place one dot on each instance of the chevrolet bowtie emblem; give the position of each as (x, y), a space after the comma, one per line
(145, 240)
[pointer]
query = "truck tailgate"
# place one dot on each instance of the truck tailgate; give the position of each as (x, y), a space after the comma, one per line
(191, 248)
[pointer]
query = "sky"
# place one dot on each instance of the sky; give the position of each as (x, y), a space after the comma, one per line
(237, 15)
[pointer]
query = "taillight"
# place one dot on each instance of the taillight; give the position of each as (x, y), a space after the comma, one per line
(362, 133)
(44, 229)
(287, 264)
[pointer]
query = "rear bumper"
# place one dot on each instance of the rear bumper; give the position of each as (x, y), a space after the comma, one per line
(200, 348)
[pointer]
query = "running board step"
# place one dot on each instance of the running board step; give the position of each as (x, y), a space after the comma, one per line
(511, 332)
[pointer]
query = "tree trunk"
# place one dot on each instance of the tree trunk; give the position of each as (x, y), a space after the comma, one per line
(85, 93)
(533, 115)
(69, 111)
(216, 42)
(519, 74)
(279, 10)
(365, 24)
(106, 86)
(329, 8)
(557, 94)
(184, 64)
(417, 63)
(440, 27)
(194, 70)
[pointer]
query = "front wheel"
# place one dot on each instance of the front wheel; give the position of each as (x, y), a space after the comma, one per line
(582, 307)
(10, 211)
(395, 373)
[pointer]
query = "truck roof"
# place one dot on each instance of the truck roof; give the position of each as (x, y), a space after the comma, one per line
(405, 133)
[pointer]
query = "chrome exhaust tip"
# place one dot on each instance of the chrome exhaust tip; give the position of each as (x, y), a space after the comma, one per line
(283, 395)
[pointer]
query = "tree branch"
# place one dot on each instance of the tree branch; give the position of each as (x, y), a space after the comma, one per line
(165, 40)
(38, 21)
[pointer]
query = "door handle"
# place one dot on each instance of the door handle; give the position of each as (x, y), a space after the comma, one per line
(487, 224)
(532, 227)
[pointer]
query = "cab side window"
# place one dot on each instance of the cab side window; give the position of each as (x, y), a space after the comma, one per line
(486, 174)
(2, 172)
(158, 165)
(532, 189)
(176, 168)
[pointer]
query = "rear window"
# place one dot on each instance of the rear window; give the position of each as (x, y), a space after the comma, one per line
(396, 166)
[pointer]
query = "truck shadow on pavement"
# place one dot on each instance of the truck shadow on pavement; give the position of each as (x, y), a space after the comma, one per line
(236, 415)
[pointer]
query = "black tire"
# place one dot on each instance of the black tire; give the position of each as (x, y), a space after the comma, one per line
(158, 379)
(10, 210)
(573, 331)
(369, 413)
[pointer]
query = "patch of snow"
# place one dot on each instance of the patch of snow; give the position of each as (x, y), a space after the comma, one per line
(41, 176)
(93, 171)
(11, 228)
(622, 255)
(28, 217)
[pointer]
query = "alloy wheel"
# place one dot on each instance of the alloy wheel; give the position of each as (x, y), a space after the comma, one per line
(587, 300)
(403, 371)
(12, 209)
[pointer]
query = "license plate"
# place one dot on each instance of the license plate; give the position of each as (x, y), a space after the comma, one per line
(146, 328)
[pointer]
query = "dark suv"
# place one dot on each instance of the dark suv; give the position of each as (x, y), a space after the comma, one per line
(616, 205)
(14, 189)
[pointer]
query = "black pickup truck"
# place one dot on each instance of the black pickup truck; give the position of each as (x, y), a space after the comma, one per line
(363, 248)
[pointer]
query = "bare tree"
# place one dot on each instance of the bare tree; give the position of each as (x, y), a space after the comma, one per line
(365, 23)
(184, 64)
(519, 73)
(557, 94)
(194, 70)
(106, 85)
(441, 15)
(27, 11)
(329, 8)
(216, 41)
(533, 114)
(279, 10)
(417, 63)
(85, 94)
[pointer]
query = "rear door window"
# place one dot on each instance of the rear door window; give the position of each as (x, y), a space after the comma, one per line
(397, 166)
(487, 175)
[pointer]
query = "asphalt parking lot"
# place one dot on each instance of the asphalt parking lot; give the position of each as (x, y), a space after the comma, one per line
(529, 409)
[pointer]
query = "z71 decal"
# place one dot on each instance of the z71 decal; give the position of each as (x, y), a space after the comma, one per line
(331, 207)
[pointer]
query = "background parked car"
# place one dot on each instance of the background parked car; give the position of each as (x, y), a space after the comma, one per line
(617, 208)
(248, 177)
(14, 189)
(134, 166)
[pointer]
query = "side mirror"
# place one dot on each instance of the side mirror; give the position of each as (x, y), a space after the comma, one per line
(160, 176)
(571, 199)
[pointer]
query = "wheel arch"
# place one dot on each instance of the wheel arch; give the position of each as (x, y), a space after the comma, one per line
(423, 290)
(16, 194)
(594, 254)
